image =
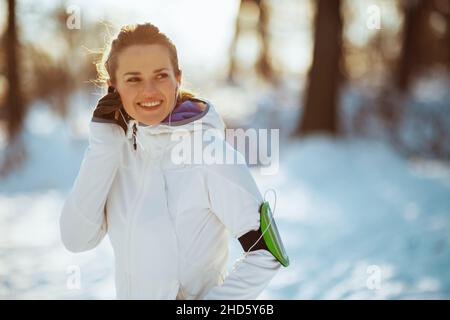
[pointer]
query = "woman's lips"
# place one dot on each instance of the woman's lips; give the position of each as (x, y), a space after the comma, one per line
(150, 106)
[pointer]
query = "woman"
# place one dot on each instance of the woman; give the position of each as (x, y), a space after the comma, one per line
(168, 222)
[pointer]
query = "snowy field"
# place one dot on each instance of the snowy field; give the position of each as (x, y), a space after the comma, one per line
(358, 222)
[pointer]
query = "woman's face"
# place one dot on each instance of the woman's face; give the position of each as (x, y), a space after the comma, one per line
(146, 82)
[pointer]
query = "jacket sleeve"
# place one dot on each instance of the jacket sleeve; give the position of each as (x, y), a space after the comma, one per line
(83, 221)
(235, 199)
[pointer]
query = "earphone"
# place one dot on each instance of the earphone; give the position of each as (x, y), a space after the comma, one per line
(270, 223)
(176, 96)
(111, 89)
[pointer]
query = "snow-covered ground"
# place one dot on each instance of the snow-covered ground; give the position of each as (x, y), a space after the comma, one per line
(358, 221)
(361, 223)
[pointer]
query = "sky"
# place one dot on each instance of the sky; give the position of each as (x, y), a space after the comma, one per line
(203, 29)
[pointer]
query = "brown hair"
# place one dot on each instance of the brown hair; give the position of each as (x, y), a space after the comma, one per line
(137, 34)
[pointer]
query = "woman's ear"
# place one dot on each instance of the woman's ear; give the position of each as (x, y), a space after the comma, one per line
(110, 86)
(178, 78)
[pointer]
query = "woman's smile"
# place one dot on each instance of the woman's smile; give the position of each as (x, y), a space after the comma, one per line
(151, 105)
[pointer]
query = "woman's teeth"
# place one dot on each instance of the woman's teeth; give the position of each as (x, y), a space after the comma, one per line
(151, 104)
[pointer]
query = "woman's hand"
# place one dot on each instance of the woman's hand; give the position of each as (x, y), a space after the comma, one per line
(110, 108)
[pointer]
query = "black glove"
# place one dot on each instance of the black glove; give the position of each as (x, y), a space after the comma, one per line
(110, 109)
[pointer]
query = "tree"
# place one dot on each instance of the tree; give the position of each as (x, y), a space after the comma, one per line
(413, 41)
(15, 105)
(263, 65)
(14, 109)
(421, 46)
(319, 113)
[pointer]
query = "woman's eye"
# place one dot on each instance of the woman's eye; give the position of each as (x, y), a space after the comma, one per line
(133, 79)
(161, 76)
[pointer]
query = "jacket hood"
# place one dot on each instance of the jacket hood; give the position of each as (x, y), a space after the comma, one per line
(157, 139)
(190, 120)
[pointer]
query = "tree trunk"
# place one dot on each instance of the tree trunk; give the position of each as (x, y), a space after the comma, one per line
(15, 106)
(319, 114)
(414, 42)
(263, 64)
(14, 110)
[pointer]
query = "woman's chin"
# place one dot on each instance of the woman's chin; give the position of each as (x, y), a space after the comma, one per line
(150, 117)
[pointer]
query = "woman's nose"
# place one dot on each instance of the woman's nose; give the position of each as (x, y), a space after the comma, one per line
(149, 88)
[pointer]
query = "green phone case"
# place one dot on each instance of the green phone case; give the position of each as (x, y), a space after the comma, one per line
(272, 236)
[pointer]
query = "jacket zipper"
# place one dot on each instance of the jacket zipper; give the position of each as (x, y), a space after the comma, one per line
(132, 215)
(134, 135)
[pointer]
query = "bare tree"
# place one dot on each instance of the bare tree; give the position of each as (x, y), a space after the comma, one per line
(413, 42)
(319, 114)
(421, 46)
(14, 109)
(263, 65)
(15, 106)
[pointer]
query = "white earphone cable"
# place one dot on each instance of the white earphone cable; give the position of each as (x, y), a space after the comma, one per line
(134, 134)
(271, 219)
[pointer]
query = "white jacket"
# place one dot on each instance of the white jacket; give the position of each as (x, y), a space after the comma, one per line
(168, 223)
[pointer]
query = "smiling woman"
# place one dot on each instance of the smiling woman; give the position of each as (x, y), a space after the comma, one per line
(142, 65)
(146, 82)
(168, 222)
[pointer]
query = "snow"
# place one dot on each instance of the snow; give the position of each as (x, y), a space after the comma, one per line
(358, 220)
(350, 208)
